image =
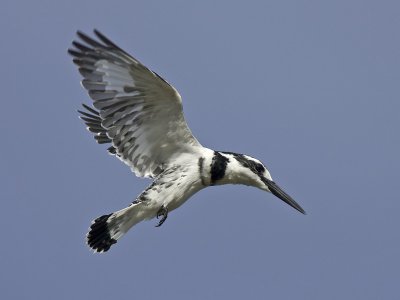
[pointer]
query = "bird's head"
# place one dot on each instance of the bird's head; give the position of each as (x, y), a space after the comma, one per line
(251, 171)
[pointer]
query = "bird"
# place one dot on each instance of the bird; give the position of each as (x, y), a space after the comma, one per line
(140, 116)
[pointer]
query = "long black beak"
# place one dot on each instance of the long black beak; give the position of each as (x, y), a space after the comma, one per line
(278, 192)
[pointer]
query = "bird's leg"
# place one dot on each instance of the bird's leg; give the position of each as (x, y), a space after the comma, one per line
(163, 211)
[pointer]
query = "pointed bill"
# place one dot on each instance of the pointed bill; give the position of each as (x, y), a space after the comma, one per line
(278, 192)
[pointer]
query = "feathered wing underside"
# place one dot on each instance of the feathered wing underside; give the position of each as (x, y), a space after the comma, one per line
(135, 109)
(92, 119)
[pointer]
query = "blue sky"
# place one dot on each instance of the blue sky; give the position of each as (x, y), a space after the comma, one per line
(311, 88)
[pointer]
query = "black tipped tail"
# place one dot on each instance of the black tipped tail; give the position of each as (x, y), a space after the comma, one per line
(99, 236)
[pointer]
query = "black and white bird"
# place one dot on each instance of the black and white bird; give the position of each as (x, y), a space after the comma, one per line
(140, 115)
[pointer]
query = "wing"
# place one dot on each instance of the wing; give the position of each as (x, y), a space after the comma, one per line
(135, 109)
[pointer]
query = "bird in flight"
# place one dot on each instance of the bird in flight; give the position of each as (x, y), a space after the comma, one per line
(140, 115)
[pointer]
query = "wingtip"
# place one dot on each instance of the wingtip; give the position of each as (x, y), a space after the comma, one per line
(72, 52)
(90, 109)
(97, 32)
(80, 33)
(101, 36)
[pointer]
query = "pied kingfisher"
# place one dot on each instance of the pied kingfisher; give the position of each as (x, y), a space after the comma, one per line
(140, 115)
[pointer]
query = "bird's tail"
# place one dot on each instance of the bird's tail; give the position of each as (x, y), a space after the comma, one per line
(108, 229)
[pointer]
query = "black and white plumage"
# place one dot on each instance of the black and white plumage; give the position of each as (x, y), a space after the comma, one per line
(140, 115)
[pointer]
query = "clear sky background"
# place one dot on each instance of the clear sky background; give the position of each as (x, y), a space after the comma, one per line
(311, 88)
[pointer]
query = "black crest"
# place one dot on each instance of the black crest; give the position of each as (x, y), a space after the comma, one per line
(254, 166)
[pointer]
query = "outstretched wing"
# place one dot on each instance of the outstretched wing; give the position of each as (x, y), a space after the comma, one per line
(135, 109)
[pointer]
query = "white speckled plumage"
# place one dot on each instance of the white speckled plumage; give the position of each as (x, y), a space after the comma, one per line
(141, 116)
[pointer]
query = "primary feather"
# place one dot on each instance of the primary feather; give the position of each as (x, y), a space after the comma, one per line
(137, 111)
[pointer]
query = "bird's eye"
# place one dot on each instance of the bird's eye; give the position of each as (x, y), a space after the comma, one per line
(259, 168)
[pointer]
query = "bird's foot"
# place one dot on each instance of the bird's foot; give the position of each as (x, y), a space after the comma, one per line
(163, 211)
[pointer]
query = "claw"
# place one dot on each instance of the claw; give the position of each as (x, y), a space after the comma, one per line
(163, 211)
